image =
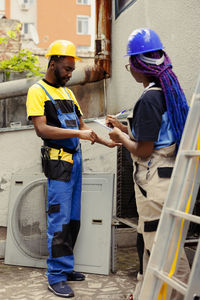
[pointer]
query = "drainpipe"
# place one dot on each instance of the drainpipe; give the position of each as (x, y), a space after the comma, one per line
(103, 33)
(20, 87)
(103, 41)
(15, 88)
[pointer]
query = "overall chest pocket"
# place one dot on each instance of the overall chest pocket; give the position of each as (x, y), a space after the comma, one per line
(68, 120)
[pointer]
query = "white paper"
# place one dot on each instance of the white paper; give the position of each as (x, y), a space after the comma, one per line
(102, 122)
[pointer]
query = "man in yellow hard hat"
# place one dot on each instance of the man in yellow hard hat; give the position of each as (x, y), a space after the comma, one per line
(57, 119)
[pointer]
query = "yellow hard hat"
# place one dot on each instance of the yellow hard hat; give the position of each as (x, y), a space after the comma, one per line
(63, 48)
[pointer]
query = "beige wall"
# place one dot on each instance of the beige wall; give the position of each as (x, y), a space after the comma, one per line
(20, 153)
(178, 25)
(25, 16)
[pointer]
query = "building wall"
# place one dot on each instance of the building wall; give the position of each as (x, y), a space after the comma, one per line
(2, 8)
(24, 156)
(7, 8)
(24, 13)
(54, 21)
(177, 23)
(25, 16)
(59, 22)
(13, 45)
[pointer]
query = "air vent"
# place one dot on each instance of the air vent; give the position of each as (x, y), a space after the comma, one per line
(24, 6)
(126, 204)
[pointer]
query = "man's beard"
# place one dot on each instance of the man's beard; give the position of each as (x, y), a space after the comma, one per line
(60, 81)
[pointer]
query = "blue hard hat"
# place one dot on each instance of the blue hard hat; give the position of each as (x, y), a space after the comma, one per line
(143, 40)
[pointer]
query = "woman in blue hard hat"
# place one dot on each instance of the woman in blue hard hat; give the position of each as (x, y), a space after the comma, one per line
(155, 128)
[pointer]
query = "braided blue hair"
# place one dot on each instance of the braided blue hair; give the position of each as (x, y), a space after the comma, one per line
(176, 103)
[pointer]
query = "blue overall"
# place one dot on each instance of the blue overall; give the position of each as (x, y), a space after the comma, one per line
(63, 206)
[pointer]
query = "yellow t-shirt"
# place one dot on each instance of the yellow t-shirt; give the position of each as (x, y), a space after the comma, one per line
(39, 104)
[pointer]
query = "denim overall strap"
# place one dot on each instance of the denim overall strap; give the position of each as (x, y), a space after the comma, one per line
(72, 100)
(52, 100)
(71, 143)
(68, 93)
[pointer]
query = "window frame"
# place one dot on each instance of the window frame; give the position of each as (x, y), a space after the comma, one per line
(3, 5)
(25, 28)
(118, 11)
(26, 35)
(82, 2)
(83, 48)
(78, 17)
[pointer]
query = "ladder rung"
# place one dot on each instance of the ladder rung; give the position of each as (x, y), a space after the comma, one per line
(181, 214)
(174, 283)
(190, 153)
(191, 241)
(130, 223)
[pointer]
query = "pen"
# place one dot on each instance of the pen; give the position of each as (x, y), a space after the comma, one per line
(121, 112)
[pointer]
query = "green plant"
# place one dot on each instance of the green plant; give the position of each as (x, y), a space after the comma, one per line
(11, 34)
(23, 61)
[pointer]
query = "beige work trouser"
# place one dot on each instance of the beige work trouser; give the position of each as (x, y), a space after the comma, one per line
(151, 188)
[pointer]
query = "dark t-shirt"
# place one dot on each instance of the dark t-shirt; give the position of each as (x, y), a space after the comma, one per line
(147, 114)
(150, 120)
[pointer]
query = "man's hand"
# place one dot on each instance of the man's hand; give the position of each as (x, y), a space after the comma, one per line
(94, 137)
(88, 134)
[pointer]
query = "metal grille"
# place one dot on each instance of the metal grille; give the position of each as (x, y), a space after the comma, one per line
(29, 220)
(126, 205)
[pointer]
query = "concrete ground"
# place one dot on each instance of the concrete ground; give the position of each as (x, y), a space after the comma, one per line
(24, 283)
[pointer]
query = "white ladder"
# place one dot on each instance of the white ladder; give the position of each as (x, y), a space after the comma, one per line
(176, 216)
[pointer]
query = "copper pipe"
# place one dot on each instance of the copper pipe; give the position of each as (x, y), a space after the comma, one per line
(103, 33)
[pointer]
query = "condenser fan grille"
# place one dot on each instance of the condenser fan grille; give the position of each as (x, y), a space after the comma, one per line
(29, 220)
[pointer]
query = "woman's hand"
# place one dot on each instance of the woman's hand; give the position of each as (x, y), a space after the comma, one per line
(112, 144)
(140, 149)
(111, 121)
(116, 135)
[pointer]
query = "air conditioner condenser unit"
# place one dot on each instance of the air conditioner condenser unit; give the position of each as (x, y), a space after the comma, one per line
(26, 242)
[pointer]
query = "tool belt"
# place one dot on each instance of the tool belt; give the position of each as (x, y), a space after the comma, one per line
(59, 166)
(65, 149)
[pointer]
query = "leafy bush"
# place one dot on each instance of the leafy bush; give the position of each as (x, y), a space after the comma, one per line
(23, 61)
